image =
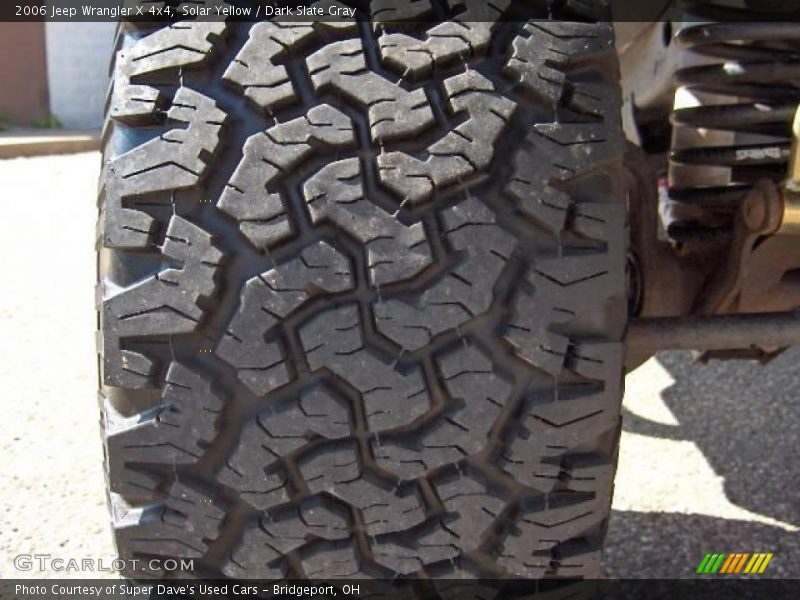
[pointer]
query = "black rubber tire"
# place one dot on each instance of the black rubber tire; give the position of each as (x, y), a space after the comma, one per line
(362, 295)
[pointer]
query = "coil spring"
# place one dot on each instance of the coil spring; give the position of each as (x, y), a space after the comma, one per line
(759, 83)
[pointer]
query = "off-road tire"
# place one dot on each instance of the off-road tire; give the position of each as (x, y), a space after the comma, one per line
(362, 294)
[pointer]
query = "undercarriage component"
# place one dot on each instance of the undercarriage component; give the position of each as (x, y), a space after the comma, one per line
(648, 59)
(762, 332)
(762, 260)
(750, 256)
(661, 282)
(745, 308)
(732, 122)
(726, 243)
(724, 307)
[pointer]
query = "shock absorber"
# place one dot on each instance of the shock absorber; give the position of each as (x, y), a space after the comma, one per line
(732, 120)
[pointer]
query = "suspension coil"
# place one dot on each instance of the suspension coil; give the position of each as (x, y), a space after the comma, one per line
(732, 122)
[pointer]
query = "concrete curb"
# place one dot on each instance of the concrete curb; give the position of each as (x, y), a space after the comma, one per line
(19, 144)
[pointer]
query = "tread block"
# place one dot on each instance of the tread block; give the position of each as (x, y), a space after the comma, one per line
(267, 156)
(260, 554)
(558, 153)
(253, 471)
(337, 472)
(473, 507)
(256, 71)
(285, 428)
(545, 52)
(165, 304)
(276, 433)
(394, 251)
(182, 44)
(180, 527)
(549, 454)
(268, 299)
(464, 293)
(549, 541)
(317, 414)
(334, 341)
(392, 111)
(175, 432)
(463, 38)
(557, 295)
(470, 379)
(471, 511)
(542, 455)
(176, 160)
(466, 150)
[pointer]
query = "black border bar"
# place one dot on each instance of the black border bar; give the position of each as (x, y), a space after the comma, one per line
(402, 589)
(330, 10)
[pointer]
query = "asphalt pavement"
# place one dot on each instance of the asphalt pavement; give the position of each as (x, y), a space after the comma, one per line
(708, 458)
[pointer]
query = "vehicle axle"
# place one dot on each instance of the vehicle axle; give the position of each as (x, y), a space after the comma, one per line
(768, 331)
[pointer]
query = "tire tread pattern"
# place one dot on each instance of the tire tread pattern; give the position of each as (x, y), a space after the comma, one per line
(373, 298)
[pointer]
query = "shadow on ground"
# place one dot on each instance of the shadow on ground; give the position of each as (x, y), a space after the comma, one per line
(671, 545)
(743, 418)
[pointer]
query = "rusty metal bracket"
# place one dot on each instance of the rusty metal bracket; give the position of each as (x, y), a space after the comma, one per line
(765, 251)
(750, 254)
(746, 305)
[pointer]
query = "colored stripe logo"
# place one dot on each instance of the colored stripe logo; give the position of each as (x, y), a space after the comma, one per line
(731, 564)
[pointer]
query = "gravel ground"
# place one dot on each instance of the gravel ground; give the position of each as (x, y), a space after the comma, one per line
(708, 460)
